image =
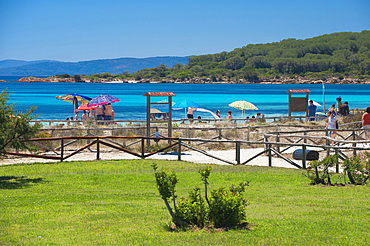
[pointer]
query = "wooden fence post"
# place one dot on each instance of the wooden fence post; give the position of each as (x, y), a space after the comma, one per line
(219, 134)
(179, 150)
(354, 144)
(270, 157)
(237, 147)
(304, 156)
(189, 134)
(266, 141)
(124, 140)
(61, 149)
(327, 143)
(51, 142)
(97, 149)
(277, 139)
(337, 162)
(305, 139)
(142, 148)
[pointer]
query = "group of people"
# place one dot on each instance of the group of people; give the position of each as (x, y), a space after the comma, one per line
(333, 124)
(341, 109)
(247, 120)
(102, 112)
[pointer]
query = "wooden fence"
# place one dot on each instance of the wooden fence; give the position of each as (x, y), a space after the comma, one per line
(141, 122)
(110, 142)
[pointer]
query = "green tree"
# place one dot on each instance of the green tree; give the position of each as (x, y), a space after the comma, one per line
(15, 127)
(77, 78)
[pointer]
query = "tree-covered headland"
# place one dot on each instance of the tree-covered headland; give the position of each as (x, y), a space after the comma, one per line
(342, 55)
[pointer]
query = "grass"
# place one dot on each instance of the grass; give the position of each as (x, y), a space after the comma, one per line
(117, 203)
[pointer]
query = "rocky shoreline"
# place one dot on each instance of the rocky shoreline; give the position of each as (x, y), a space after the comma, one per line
(282, 80)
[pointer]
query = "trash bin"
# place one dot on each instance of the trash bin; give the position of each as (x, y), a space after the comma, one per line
(311, 155)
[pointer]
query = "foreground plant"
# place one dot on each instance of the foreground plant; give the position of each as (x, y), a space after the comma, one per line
(224, 208)
(166, 182)
(318, 171)
(358, 169)
(15, 127)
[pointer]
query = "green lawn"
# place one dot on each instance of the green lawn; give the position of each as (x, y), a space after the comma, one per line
(116, 202)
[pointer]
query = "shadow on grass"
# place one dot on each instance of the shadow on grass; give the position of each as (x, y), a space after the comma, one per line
(13, 182)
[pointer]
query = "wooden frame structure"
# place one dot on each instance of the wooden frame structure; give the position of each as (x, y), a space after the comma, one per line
(298, 104)
(148, 106)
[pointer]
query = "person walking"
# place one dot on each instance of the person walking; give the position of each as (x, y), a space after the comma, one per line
(332, 109)
(331, 124)
(366, 123)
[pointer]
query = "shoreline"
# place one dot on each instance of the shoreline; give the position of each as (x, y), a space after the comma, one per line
(283, 80)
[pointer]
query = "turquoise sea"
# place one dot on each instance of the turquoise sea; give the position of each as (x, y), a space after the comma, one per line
(272, 100)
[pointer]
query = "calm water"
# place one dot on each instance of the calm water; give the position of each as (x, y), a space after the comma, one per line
(272, 100)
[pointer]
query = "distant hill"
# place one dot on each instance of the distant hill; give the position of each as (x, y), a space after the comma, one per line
(341, 55)
(18, 63)
(113, 66)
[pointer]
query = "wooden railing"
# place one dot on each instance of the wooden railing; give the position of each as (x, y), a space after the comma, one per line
(143, 122)
(109, 141)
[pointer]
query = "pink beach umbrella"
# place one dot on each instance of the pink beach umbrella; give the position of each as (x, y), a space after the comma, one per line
(83, 107)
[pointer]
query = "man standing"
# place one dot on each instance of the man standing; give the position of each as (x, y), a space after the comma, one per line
(344, 109)
(339, 103)
(190, 114)
(311, 110)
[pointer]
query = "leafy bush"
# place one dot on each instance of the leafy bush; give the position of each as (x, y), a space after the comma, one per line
(193, 210)
(223, 207)
(227, 208)
(15, 127)
(358, 169)
(318, 171)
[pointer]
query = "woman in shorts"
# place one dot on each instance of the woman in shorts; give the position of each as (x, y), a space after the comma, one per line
(331, 124)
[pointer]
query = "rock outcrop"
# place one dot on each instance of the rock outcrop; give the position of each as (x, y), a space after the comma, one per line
(280, 80)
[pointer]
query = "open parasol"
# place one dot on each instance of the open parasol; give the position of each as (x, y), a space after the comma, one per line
(243, 105)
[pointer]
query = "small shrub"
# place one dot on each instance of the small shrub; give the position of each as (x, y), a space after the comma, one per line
(358, 169)
(318, 171)
(226, 208)
(193, 210)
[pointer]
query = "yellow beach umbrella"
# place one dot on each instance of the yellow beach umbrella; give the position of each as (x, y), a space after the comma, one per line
(243, 105)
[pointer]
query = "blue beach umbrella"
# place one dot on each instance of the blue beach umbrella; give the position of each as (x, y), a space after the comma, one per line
(102, 99)
(185, 104)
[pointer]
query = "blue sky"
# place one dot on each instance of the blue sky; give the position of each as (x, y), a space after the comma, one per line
(76, 30)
